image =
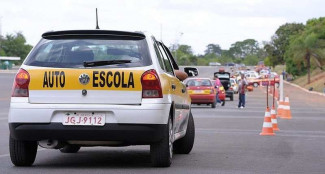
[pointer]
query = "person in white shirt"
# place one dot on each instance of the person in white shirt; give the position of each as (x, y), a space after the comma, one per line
(242, 90)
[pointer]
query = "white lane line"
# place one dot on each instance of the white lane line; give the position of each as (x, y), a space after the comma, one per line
(7, 155)
(283, 133)
(253, 117)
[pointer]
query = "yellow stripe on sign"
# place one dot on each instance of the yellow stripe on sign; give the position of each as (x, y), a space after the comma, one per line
(90, 79)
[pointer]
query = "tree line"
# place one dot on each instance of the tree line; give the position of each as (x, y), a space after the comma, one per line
(300, 47)
(247, 51)
(14, 45)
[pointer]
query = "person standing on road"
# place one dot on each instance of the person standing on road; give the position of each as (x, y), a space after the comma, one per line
(217, 84)
(241, 89)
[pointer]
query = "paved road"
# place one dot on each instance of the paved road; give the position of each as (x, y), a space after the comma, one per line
(227, 141)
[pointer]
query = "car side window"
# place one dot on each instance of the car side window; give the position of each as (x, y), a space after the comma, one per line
(168, 65)
(159, 56)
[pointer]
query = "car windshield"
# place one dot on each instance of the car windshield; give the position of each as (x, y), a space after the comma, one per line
(199, 82)
(72, 53)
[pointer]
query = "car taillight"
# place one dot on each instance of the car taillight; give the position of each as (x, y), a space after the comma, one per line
(151, 87)
(20, 86)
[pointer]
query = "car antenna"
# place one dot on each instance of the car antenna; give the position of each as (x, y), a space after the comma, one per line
(97, 27)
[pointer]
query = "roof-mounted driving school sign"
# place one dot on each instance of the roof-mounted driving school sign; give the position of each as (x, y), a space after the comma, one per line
(7, 62)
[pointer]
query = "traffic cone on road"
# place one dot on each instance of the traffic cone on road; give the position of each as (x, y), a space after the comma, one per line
(280, 108)
(286, 109)
(274, 120)
(267, 124)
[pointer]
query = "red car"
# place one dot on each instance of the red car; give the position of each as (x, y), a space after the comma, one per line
(201, 91)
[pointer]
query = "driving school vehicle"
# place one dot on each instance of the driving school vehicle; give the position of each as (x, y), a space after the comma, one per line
(100, 88)
(201, 91)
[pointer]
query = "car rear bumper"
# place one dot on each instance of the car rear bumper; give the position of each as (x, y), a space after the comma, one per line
(203, 98)
(229, 93)
(130, 134)
(146, 113)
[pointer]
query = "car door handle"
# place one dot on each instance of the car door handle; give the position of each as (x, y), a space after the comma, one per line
(173, 86)
(183, 90)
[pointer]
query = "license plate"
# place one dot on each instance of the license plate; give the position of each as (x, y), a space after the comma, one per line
(84, 119)
(198, 92)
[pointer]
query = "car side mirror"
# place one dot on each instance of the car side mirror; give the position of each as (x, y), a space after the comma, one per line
(191, 71)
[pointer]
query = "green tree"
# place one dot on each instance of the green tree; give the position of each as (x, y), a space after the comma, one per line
(251, 60)
(184, 55)
(15, 45)
(241, 49)
(213, 49)
(280, 40)
(308, 45)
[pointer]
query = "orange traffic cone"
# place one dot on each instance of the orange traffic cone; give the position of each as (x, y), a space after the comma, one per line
(286, 109)
(274, 120)
(267, 125)
(280, 109)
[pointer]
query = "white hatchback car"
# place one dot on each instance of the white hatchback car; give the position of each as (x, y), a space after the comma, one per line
(100, 88)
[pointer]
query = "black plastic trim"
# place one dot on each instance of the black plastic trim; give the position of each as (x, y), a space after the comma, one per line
(68, 34)
(132, 134)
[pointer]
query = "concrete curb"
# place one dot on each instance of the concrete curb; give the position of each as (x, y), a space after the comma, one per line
(310, 92)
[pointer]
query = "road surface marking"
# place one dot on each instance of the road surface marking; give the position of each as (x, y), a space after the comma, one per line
(284, 133)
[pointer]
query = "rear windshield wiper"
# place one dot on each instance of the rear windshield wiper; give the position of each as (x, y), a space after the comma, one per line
(105, 62)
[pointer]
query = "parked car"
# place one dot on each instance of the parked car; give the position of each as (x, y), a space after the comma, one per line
(234, 85)
(224, 78)
(83, 88)
(201, 91)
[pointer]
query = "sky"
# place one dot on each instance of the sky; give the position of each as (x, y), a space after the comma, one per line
(193, 22)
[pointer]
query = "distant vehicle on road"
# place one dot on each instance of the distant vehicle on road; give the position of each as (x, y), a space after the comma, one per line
(201, 91)
(229, 64)
(224, 78)
(214, 64)
(234, 85)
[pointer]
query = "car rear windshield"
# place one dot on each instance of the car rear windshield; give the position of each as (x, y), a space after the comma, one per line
(199, 82)
(72, 53)
(223, 76)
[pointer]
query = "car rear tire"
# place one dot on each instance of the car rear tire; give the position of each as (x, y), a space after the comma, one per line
(162, 152)
(22, 153)
(71, 148)
(232, 98)
(214, 104)
(255, 85)
(185, 144)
